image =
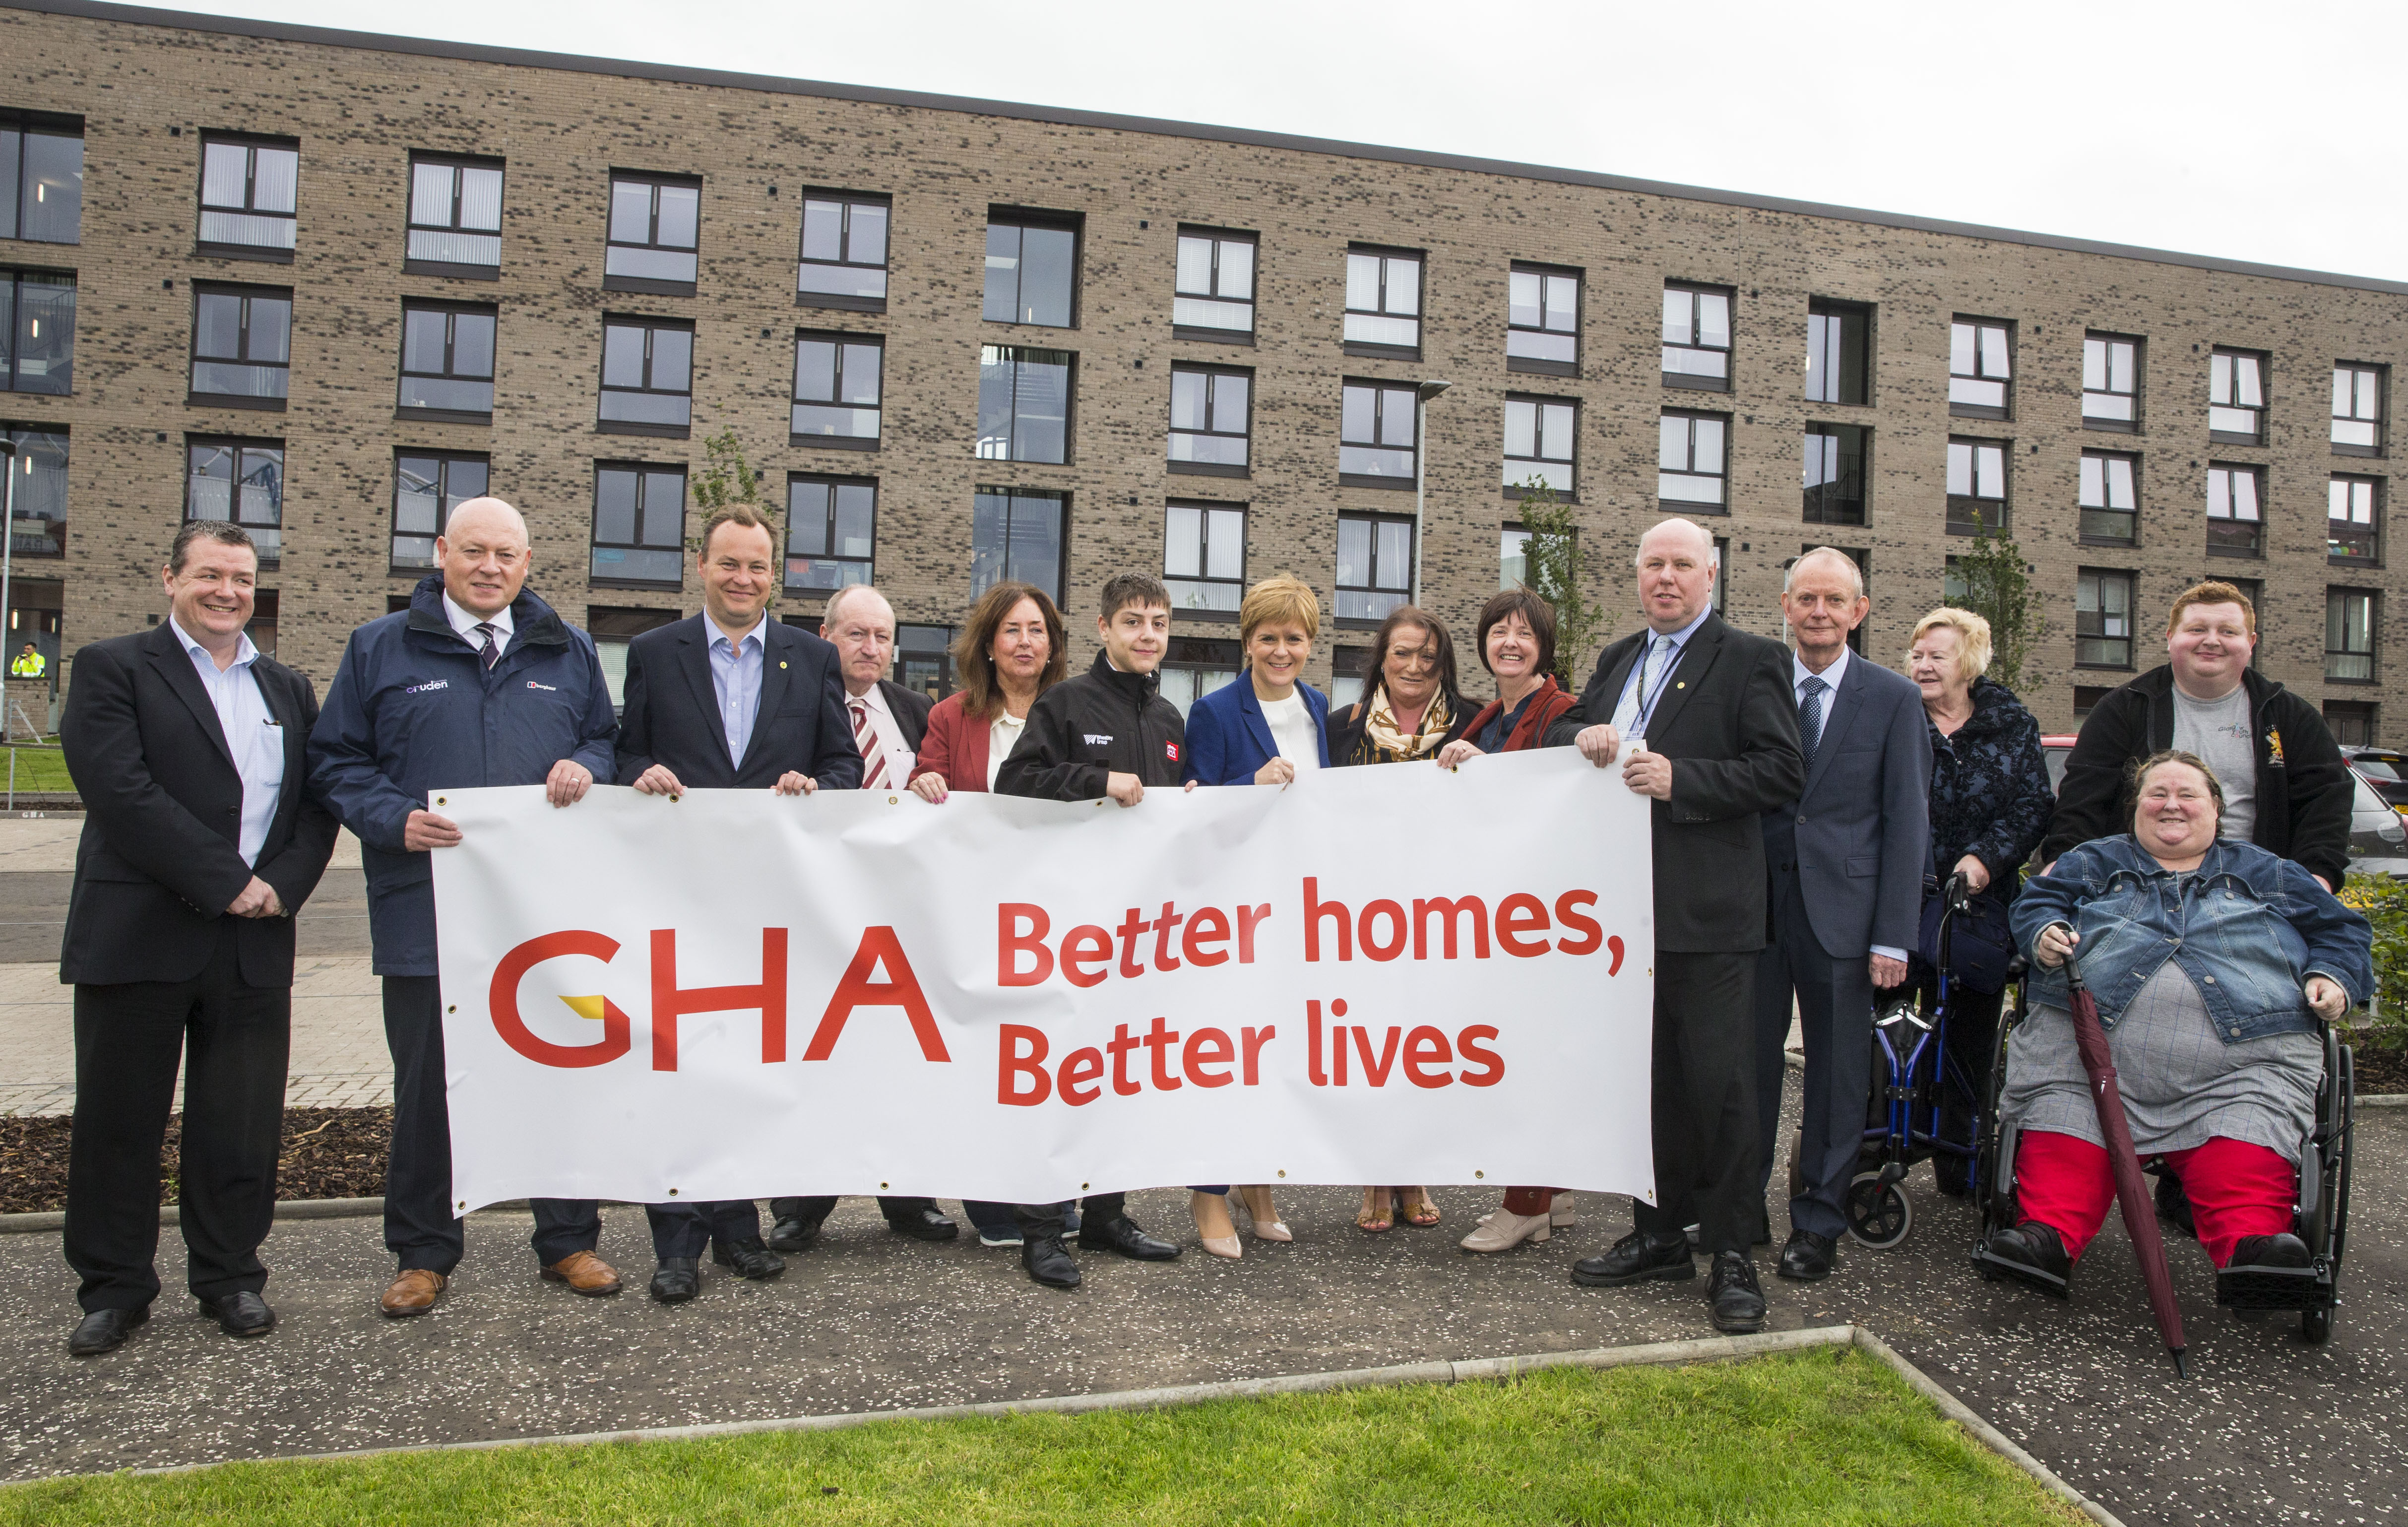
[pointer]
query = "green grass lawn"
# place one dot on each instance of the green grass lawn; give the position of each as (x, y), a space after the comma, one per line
(37, 769)
(1827, 1438)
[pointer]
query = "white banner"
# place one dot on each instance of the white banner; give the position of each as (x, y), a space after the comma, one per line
(1391, 974)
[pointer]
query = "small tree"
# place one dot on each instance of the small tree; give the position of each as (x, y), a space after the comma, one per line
(727, 480)
(1996, 586)
(1551, 568)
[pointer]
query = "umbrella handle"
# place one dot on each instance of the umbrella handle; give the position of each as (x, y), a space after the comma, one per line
(2072, 974)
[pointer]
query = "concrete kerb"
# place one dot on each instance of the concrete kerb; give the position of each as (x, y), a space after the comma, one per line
(1700, 1349)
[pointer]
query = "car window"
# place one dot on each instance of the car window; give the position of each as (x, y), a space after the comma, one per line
(2376, 767)
(2368, 801)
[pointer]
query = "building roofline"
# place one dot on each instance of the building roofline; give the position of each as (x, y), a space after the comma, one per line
(1114, 122)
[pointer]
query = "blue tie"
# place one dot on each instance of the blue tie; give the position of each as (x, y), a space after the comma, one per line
(1810, 717)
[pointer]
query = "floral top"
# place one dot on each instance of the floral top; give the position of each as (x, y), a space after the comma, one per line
(1990, 794)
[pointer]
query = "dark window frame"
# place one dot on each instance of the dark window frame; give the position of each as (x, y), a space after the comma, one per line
(789, 555)
(13, 279)
(2263, 363)
(1728, 350)
(1069, 364)
(1375, 589)
(1245, 437)
(644, 471)
(650, 324)
(1380, 393)
(2256, 476)
(2380, 376)
(840, 338)
(2130, 582)
(1547, 274)
(246, 294)
(452, 311)
(453, 270)
(1003, 567)
(271, 553)
(657, 180)
(19, 436)
(2108, 460)
(846, 201)
(2140, 360)
(2373, 624)
(253, 142)
(1569, 493)
(1420, 315)
(47, 124)
(1821, 505)
(2351, 482)
(1840, 312)
(1693, 506)
(1205, 333)
(444, 461)
(1980, 376)
(1204, 509)
(1965, 509)
(1024, 218)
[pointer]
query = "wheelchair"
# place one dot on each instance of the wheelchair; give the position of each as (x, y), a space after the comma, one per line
(2321, 1219)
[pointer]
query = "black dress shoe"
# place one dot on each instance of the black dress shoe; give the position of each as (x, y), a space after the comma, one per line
(676, 1280)
(2283, 1250)
(1048, 1263)
(926, 1224)
(1123, 1235)
(1738, 1298)
(105, 1331)
(793, 1233)
(2031, 1254)
(748, 1259)
(243, 1314)
(1637, 1258)
(1808, 1258)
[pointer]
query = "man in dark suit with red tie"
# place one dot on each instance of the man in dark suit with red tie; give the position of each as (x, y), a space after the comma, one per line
(200, 842)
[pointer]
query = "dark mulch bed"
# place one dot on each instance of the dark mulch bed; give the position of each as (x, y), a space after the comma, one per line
(2380, 1071)
(328, 1153)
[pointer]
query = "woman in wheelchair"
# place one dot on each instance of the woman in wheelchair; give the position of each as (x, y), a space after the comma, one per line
(2213, 962)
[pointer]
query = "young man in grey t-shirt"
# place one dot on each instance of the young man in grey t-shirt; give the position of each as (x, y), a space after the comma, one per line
(2218, 731)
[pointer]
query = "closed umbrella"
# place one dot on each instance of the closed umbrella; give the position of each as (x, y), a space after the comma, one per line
(2131, 1188)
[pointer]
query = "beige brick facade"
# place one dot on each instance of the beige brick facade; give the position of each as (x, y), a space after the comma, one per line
(147, 88)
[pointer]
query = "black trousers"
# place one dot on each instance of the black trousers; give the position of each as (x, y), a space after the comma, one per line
(1835, 1013)
(1098, 1209)
(687, 1230)
(419, 1227)
(232, 1040)
(815, 1207)
(1704, 1097)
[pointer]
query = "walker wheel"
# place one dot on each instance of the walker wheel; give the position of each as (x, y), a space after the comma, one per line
(1879, 1214)
(2316, 1327)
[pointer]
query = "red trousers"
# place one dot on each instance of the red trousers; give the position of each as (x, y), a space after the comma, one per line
(2236, 1189)
(1529, 1200)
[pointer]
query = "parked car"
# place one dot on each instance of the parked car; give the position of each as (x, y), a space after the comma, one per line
(2385, 769)
(2378, 838)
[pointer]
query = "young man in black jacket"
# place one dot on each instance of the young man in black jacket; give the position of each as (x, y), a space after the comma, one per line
(2287, 787)
(1107, 733)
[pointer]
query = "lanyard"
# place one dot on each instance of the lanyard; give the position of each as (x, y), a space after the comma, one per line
(1646, 701)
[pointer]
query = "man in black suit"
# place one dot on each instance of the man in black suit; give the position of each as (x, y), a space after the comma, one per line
(1699, 717)
(199, 843)
(729, 699)
(887, 723)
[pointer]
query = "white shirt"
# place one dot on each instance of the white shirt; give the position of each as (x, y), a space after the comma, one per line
(1292, 729)
(464, 621)
(1799, 674)
(1631, 714)
(1002, 736)
(900, 758)
(253, 734)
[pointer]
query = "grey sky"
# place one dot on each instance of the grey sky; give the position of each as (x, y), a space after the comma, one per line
(2247, 131)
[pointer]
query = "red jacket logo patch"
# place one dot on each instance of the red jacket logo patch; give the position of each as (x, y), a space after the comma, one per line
(1170, 750)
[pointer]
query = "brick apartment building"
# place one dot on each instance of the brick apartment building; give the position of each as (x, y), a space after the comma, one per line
(326, 283)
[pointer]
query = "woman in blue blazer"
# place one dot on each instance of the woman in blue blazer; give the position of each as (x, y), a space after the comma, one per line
(1264, 728)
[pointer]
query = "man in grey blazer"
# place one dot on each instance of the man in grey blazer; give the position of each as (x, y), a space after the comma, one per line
(1846, 861)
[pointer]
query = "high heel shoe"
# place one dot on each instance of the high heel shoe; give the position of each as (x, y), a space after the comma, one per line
(1262, 1214)
(1505, 1229)
(1213, 1227)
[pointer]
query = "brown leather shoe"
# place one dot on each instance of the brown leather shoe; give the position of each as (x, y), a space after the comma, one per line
(414, 1291)
(584, 1272)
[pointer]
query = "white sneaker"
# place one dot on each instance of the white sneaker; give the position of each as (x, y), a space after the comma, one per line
(1505, 1229)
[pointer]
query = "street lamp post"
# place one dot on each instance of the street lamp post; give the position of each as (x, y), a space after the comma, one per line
(1421, 395)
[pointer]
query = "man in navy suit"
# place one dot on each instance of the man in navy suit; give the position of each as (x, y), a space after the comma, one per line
(730, 700)
(1846, 861)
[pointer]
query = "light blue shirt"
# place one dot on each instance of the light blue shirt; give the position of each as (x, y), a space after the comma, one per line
(1631, 699)
(736, 674)
(253, 734)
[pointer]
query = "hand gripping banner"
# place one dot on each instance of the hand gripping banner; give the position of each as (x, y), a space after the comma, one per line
(1388, 974)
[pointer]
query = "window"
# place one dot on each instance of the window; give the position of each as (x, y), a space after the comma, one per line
(1214, 294)
(1209, 420)
(1722, 572)
(2351, 722)
(455, 218)
(2085, 699)
(243, 480)
(1375, 435)
(249, 190)
(1542, 320)
(41, 178)
(37, 311)
(837, 384)
(2352, 521)
(1690, 467)
(1835, 474)
(2349, 636)
(1977, 368)
(261, 627)
(1977, 486)
(2102, 619)
(2236, 397)
(844, 251)
(38, 508)
(447, 362)
(1375, 566)
(831, 532)
(1017, 533)
(638, 523)
(612, 630)
(2234, 525)
(428, 488)
(1839, 353)
(655, 226)
(1384, 302)
(1540, 434)
(1194, 666)
(1697, 336)
(2358, 411)
(242, 346)
(1032, 268)
(1204, 557)
(1024, 404)
(2111, 383)
(647, 377)
(2110, 497)
(1512, 557)
(924, 659)
(1347, 668)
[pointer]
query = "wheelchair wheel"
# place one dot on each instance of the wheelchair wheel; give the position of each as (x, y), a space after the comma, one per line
(1879, 1213)
(2315, 1326)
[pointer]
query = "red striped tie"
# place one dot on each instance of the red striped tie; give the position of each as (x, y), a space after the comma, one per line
(873, 756)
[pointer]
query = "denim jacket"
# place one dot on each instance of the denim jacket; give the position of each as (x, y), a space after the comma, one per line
(2248, 929)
